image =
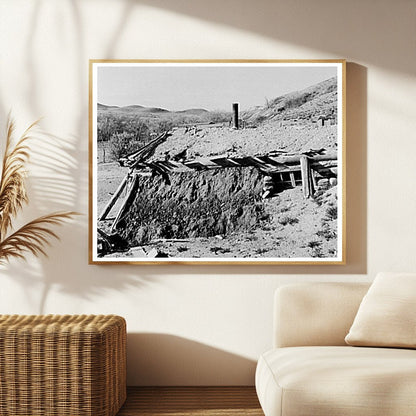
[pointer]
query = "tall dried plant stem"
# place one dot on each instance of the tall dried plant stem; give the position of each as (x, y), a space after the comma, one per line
(35, 235)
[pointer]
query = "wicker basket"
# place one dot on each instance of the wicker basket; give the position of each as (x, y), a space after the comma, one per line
(72, 365)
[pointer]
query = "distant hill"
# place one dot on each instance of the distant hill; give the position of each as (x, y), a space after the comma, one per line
(193, 111)
(131, 108)
(135, 108)
(307, 104)
(105, 107)
(141, 109)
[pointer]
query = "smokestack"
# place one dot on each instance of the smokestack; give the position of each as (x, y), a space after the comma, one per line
(235, 115)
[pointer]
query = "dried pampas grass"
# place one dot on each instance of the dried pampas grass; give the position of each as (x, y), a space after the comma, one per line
(34, 236)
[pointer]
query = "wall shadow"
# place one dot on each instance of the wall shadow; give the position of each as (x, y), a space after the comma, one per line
(58, 180)
(169, 360)
(53, 186)
(339, 28)
(64, 160)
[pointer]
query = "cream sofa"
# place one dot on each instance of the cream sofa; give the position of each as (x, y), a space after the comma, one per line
(312, 371)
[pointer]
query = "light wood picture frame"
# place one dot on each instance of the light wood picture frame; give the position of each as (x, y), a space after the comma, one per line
(217, 162)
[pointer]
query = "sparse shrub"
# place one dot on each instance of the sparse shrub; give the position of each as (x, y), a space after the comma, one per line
(288, 220)
(314, 244)
(164, 125)
(331, 213)
(259, 120)
(285, 209)
(267, 102)
(298, 99)
(315, 247)
(220, 250)
(317, 253)
(317, 197)
(122, 144)
(327, 234)
(219, 116)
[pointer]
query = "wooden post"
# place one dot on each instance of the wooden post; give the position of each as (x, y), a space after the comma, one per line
(235, 115)
(113, 199)
(292, 179)
(128, 201)
(305, 170)
(313, 180)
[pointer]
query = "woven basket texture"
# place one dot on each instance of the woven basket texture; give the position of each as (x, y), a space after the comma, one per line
(62, 365)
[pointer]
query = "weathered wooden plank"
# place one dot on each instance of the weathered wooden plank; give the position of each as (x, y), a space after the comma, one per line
(113, 199)
(313, 178)
(296, 158)
(201, 163)
(225, 162)
(292, 179)
(128, 201)
(305, 170)
(324, 164)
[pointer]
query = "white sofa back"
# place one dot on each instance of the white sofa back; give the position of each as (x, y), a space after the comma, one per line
(308, 314)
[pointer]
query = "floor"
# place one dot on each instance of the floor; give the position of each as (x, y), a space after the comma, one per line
(187, 401)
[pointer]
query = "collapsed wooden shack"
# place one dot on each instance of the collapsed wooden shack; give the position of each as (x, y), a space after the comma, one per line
(279, 170)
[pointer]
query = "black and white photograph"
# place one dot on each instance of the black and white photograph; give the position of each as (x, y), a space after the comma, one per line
(217, 162)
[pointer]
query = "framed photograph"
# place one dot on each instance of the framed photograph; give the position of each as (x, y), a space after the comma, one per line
(208, 162)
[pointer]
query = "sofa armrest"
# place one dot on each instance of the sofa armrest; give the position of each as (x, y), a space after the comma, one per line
(309, 314)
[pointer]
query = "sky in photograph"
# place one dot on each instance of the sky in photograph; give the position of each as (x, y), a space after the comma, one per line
(211, 87)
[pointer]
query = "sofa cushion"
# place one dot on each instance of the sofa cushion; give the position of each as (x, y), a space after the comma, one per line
(341, 381)
(315, 314)
(387, 314)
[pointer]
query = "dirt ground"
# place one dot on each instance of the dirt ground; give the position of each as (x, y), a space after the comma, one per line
(261, 140)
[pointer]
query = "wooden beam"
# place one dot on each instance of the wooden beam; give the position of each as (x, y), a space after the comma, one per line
(235, 116)
(313, 178)
(292, 179)
(305, 170)
(113, 199)
(128, 201)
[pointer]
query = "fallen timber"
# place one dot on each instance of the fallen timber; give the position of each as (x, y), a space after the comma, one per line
(279, 173)
(288, 169)
(278, 167)
(144, 152)
(266, 164)
(131, 161)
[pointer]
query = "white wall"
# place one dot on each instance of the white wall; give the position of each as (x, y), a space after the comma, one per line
(204, 324)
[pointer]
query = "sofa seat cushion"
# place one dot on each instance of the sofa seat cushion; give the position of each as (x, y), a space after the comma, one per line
(341, 381)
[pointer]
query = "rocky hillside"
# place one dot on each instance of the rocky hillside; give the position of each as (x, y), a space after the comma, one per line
(308, 105)
(292, 123)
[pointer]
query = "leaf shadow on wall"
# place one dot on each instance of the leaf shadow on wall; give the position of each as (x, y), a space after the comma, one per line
(53, 186)
(337, 28)
(64, 182)
(164, 359)
(59, 180)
